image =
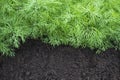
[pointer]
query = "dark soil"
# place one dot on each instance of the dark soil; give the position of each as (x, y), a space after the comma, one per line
(37, 61)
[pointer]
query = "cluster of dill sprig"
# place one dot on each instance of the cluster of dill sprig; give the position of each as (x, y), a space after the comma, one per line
(79, 23)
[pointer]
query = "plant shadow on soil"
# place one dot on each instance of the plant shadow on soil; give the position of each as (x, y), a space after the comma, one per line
(35, 60)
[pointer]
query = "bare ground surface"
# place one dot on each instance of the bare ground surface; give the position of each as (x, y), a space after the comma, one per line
(38, 61)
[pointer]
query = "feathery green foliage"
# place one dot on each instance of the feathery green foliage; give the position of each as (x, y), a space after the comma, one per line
(79, 23)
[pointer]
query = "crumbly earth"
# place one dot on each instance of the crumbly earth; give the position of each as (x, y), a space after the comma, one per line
(35, 60)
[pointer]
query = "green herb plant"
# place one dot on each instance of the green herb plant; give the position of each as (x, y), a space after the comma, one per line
(78, 23)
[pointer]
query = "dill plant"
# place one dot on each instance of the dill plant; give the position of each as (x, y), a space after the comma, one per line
(79, 23)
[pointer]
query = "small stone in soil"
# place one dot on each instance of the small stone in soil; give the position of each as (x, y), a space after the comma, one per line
(27, 73)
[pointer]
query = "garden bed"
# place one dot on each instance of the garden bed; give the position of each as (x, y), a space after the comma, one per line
(38, 61)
